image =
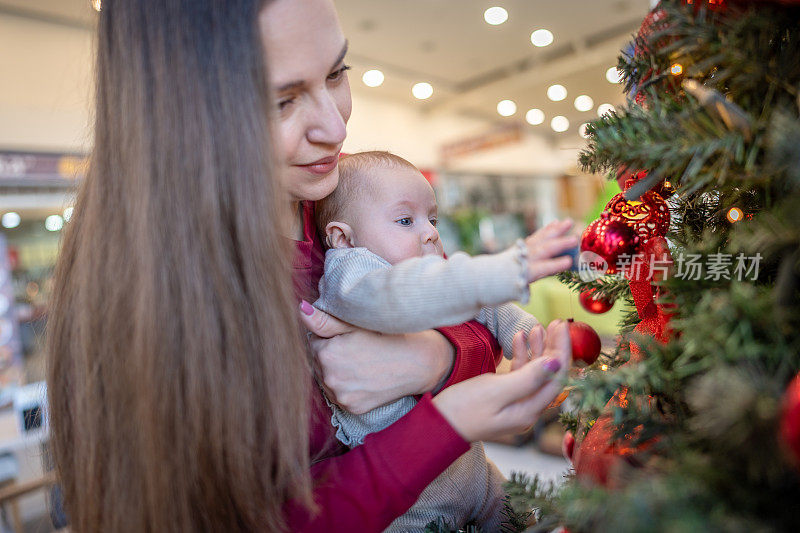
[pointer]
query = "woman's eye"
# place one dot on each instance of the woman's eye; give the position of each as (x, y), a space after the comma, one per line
(406, 221)
(283, 104)
(338, 74)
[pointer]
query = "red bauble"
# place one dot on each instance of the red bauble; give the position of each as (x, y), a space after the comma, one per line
(790, 420)
(625, 179)
(595, 304)
(585, 342)
(568, 445)
(648, 216)
(609, 239)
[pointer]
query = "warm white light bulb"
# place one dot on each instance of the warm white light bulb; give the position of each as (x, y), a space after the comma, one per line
(556, 92)
(542, 38)
(534, 117)
(11, 220)
(506, 108)
(495, 15)
(613, 75)
(422, 90)
(603, 109)
(372, 78)
(584, 103)
(54, 223)
(559, 124)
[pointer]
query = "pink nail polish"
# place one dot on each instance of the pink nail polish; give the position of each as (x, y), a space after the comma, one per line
(306, 308)
(552, 365)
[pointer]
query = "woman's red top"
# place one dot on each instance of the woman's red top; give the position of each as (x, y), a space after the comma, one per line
(366, 488)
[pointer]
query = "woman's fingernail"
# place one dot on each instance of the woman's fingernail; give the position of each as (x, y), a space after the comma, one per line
(552, 365)
(306, 308)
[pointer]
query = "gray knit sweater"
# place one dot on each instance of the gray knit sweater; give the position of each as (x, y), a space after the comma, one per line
(422, 293)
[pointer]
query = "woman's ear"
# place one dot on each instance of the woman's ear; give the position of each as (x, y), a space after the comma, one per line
(339, 235)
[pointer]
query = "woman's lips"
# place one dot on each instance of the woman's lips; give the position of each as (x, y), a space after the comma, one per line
(322, 166)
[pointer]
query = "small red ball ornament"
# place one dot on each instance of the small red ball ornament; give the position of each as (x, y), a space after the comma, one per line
(609, 239)
(568, 445)
(585, 342)
(648, 216)
(594, 303)
(790, 420)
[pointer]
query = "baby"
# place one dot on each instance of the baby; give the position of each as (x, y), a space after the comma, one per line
(385, 271)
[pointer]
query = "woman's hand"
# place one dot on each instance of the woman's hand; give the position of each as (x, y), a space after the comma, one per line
(545, 247)
(362, 369)
(492, 405)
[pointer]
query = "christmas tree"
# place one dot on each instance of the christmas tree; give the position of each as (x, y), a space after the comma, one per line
(692, 423)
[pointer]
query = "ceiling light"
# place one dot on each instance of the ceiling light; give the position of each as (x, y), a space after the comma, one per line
(556, 92)
(68, 213)
(559, 124)
(372, 78)
(613, 75)
(584, 103)
(495, 15)
(422, 90)
(53, 223)
(541, 38)
(534, 117)
(10, 220)
(603, 109)
(582, 131)
(506, 108)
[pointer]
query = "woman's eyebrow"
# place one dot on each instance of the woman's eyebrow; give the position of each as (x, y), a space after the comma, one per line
(295, 84)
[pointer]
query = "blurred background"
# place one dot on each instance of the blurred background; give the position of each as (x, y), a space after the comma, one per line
(487, 97)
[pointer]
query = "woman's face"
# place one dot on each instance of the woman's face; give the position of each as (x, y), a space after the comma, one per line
(305, 50)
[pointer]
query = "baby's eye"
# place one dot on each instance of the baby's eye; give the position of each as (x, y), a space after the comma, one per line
(434, 221)
(337, 74)
(405, 221)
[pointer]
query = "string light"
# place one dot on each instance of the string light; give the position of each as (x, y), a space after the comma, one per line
(734, 215)
(604, 367)
(676, 69)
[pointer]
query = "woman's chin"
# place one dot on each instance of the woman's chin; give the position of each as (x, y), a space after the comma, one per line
(313, 189)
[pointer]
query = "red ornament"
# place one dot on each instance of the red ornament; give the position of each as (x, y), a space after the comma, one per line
(585, 342)
(790, 420)
(609, 239)
(648, 216)
(625, 179)
(595, 304)
(568, 445)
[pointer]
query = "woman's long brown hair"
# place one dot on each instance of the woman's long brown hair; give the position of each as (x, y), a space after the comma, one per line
(178, 384)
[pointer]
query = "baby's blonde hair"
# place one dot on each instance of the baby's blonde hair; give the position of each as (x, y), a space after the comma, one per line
(355, 183)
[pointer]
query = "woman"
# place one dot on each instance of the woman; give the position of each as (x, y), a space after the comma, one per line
(179, 388)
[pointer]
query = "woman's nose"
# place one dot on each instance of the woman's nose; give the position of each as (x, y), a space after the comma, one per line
(327, 123)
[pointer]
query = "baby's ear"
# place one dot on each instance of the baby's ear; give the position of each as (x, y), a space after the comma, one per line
(339, 235)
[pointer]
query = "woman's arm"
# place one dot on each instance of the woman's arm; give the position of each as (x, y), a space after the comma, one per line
(362, 369)
(369, 486)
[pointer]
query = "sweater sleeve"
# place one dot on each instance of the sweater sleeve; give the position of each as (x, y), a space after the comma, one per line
(368, 487)
(476, 351)
(419, 293)
(504, 321)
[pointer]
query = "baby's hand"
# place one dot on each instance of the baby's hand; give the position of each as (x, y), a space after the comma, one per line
(546, 248)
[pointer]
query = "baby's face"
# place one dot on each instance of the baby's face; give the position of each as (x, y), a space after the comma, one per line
(398, 221)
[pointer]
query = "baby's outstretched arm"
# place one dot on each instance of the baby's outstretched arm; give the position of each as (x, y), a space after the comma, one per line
(429, 292)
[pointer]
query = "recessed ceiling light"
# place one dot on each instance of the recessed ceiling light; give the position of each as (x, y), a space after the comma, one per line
(534, 117)
(584, 103)
(11, 220)
(559, 124)
(372, 78)
(556, 92)
(54, 223)
(495, 15)
(421, 91)
(613, 75)
(542, 38)
(602, 109)
(582, 131)
(506, 108)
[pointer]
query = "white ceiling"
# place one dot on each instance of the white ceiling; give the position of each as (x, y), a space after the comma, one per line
(471, 64)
